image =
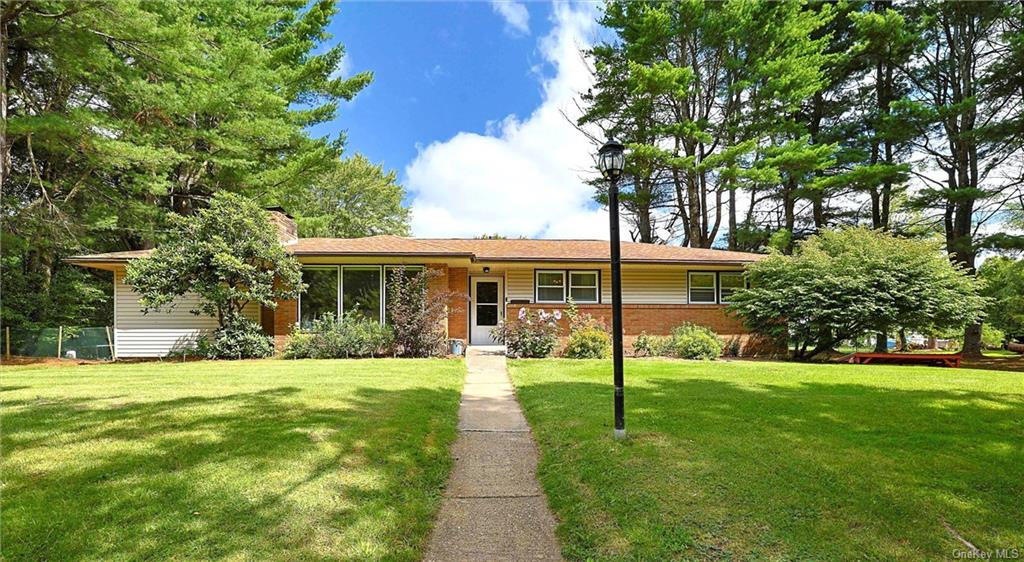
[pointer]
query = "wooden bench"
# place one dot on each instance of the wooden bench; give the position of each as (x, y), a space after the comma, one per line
(937, 359)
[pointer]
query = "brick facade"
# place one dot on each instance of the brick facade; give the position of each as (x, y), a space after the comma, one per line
(458, 305)
(659, 319)
(280, 321)
(654, 319)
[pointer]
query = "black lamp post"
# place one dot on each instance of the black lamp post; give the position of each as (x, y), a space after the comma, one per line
(611, 160)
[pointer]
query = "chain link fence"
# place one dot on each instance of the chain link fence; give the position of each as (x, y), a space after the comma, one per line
(80, 343)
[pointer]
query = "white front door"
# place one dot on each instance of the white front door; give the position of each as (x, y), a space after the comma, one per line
(486, 311)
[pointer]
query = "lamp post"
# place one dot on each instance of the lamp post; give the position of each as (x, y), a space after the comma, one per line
(611, 160)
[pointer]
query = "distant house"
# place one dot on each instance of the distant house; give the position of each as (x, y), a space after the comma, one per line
(662, 286)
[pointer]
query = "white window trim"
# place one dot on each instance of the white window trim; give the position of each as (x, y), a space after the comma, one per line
(721, 298)
(596, 286)
(689, 287)
(537, 286)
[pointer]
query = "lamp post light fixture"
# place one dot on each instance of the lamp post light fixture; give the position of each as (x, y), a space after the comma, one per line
(611, 159)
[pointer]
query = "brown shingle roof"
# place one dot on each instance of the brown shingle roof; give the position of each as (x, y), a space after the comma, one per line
(372, 245)
(483, 250)
(588, 250)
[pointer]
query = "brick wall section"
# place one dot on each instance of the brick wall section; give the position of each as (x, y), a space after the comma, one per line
(655, 319)
(458, 305)
(285, 316)
(659, 319)
(439, 283)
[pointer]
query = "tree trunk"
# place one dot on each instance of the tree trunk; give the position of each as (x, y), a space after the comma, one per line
(881, 342)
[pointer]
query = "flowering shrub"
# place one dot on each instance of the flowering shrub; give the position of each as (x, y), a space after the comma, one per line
(531, 334)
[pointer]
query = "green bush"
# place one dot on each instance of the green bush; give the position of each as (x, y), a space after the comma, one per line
(692, 341)
(299, 345)
(588, 343)
(238, 338)
(329, 338)
(649, 346)
(992, 337)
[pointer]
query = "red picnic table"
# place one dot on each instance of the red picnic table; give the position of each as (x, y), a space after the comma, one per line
(937, 359)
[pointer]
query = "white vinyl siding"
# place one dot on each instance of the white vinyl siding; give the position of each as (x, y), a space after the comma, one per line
(646, 285)
(158, 333)
(519, 285)
(654, 286)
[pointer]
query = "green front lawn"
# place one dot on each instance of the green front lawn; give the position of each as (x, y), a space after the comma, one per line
(779, 461)
(250, 460)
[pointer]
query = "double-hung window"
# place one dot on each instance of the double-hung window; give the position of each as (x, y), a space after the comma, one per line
(557, 286)
(550, 286)
(583, 286)
(703, 285)
(729, 282)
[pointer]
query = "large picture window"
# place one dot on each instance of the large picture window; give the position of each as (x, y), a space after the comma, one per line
(583, 286)
(321, 295)
(361, 291)
(729, 282)
(343, 289)
(550, 286)
(702, 287)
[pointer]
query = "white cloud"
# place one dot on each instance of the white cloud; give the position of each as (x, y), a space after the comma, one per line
(515, 14)
(523, 177)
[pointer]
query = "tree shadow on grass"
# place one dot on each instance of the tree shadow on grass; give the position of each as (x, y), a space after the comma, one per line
(260, 475)
(718, 470)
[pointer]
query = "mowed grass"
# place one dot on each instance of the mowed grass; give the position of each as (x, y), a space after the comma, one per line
(778, 461)
(249, 460)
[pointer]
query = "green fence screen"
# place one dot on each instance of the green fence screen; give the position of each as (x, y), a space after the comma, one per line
(86, 343)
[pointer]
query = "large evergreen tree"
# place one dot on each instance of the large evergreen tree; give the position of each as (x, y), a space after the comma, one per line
(120, 112)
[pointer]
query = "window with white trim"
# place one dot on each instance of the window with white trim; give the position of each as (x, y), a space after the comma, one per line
(702, 286)
(583, 286)
(728, 283)
(337, 290)
(550, 286)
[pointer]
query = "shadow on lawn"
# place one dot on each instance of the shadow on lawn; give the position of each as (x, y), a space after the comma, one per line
(818, 470)
(248, 475)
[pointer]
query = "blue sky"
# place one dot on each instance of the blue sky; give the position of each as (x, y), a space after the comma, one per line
(468, 105)
(439, 68)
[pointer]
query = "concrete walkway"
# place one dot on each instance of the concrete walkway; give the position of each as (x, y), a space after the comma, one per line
(494, 508)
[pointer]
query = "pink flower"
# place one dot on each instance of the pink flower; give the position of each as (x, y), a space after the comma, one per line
(522, 313)
(558, 315)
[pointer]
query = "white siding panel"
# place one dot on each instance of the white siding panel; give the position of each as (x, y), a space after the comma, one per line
(654, 286)
(159, 332)
(519, 284)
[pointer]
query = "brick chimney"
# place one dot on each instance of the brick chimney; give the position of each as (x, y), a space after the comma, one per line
(287, 231)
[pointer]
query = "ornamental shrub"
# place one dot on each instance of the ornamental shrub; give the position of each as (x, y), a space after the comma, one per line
(416, 314)
(530, 335)
(588, 343)
(692, 341)
(649, 346)
(237, 338)
(352, 336)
